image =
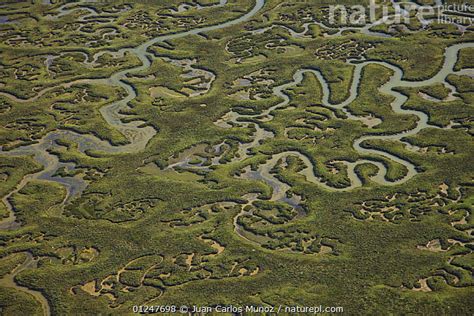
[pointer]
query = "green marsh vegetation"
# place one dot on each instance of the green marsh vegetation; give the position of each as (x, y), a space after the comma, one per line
(209, 230)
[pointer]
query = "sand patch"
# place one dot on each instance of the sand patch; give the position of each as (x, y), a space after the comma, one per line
(88, 254)
(255, 272)
(370, 121)
(214, 244)
(90, 288)
(433, 246)
(443, 187)
(240, 95)
(164, 92)
(189, 260)
(424, 286)
(325, 250)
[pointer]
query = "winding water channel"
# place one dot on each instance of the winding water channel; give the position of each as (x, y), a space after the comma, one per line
(139, 136)
(450, 59)
(9, 281)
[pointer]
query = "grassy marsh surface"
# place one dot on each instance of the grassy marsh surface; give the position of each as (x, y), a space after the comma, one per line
(252, 162)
